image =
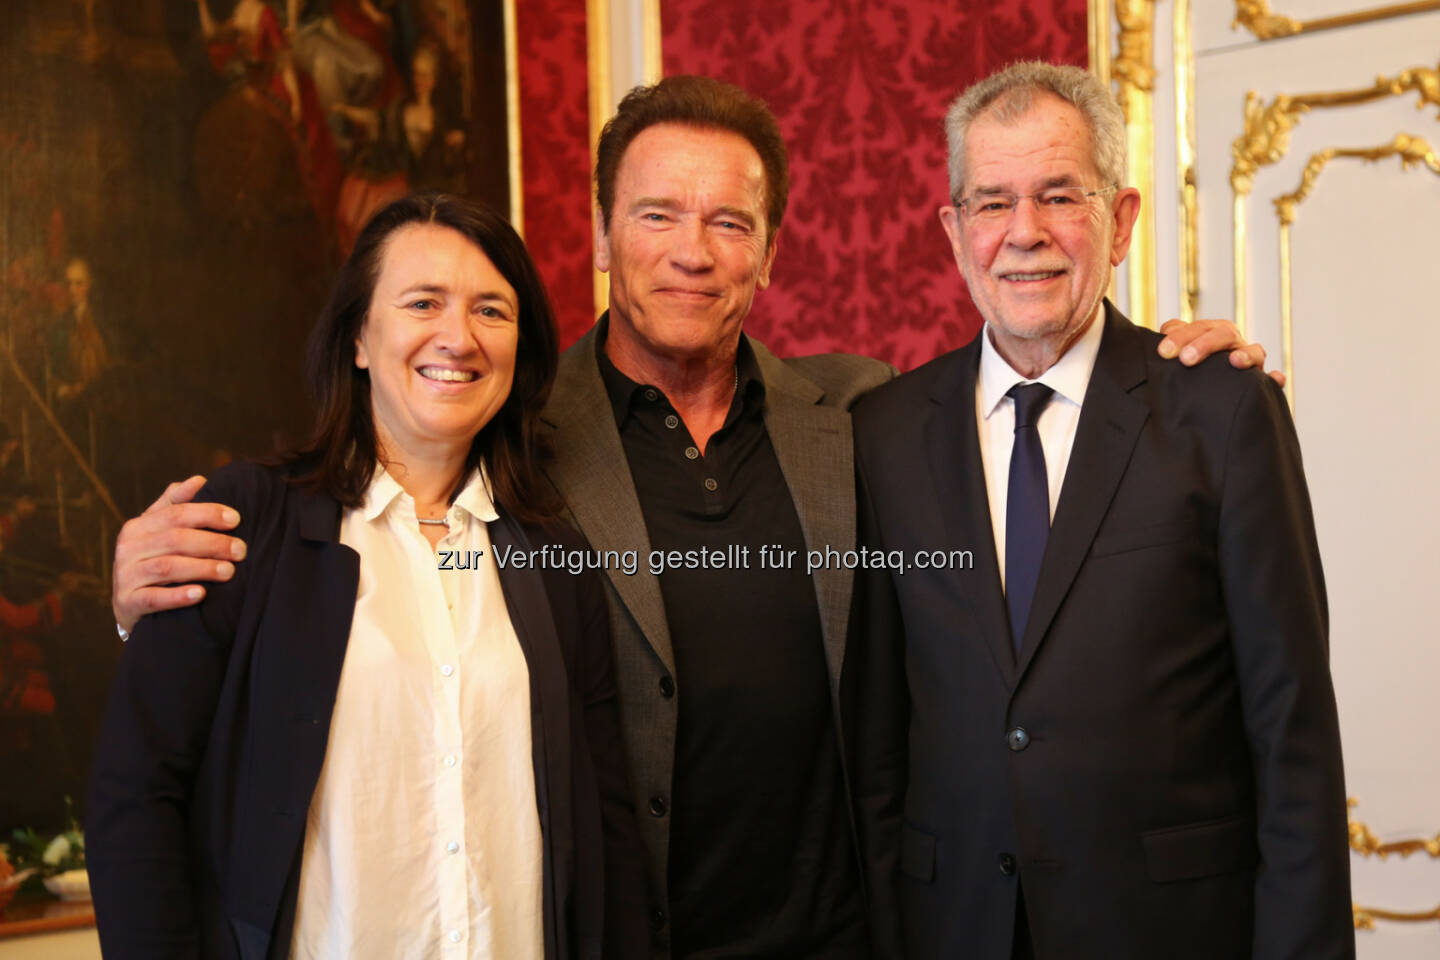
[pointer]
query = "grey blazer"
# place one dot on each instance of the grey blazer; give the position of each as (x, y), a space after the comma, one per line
(807, 416)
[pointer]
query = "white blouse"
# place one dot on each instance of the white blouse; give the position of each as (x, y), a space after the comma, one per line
(423, 838)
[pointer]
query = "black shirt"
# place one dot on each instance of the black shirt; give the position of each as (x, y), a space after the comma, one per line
(761, 862)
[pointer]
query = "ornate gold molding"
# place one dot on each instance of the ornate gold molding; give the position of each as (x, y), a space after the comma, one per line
(1133, 69)
(1256, 16)
(514, 171)
(1411, 150)
(650, 41)
(1266, 139)
(1189, 204)
(602, 103)
(1365, 917)
(1098, 21)
(1362, 839)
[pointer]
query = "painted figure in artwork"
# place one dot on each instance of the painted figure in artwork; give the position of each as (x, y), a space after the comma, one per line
(414, 144)
(251, 47)
(78, 352)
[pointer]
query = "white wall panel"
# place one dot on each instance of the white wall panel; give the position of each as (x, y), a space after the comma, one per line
(1365, 252)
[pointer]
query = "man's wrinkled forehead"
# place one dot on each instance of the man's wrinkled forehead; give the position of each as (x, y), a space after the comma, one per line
(1046, 144)
(647, 173)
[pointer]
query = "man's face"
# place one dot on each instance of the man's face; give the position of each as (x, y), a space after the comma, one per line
(1035, 277)
(686, 245)
(77, 279)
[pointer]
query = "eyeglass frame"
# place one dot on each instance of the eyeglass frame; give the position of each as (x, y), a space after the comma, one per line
(959, 203)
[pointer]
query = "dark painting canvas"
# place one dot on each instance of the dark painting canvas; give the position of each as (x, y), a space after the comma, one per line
(178, 181)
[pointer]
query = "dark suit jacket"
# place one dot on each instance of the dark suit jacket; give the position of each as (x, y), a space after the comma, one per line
(807, 417)
(219, 718)
(1177, 791)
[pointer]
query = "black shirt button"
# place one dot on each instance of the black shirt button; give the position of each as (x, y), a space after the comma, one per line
(651, 393)
(1017, 739)
(1007, 864)
(691, 453)
(667, 687)
(657, 806)
(672, 421)
(657, 920)
(711, 485)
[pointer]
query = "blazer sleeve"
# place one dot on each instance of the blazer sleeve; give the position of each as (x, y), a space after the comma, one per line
(874, 694)
(151, 744)
(626, 928)
(1274, 592)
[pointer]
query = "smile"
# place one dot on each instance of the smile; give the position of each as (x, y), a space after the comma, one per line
(446, 375)
(1031, 277)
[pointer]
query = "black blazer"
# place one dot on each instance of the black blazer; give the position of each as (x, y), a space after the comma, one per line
(220, 713)
(1160, 766)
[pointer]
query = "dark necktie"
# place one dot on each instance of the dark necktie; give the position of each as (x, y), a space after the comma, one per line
(1027, 507)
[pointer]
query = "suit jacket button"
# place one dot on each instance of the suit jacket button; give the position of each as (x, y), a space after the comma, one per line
(657, 920)
(667, 687)
(1007, 864)
(1017, 739)
(657, 806)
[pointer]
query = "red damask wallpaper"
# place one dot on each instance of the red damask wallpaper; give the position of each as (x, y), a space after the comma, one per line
(555, 154)
(860, 88)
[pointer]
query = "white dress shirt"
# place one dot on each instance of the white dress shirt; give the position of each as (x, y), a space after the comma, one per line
(423, 839)
(995, 419)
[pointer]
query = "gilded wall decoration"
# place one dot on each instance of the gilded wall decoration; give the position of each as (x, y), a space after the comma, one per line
(1257, 17)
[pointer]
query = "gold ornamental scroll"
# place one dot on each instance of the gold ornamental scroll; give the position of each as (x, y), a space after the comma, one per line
(1266, 140)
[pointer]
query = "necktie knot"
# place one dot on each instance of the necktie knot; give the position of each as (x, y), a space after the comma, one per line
(1030, 400)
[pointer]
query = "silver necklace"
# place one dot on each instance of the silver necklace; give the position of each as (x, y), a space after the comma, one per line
(441, 522)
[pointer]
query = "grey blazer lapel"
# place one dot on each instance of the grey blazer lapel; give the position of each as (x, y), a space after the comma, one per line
(816, 452)
(591, 474)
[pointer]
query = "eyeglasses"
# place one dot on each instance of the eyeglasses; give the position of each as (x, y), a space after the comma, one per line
(1055, 205)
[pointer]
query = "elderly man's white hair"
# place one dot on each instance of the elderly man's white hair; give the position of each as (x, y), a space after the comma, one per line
(1007, 95)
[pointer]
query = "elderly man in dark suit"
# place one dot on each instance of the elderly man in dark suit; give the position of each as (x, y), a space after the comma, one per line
(1113, 736)
(678, 437)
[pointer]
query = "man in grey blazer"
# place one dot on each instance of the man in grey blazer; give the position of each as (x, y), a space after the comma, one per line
(687, 447)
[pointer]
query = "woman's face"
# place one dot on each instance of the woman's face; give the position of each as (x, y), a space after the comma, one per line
(422, 74)
(439, 342)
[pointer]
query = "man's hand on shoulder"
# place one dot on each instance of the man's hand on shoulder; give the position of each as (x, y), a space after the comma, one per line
(1193, 342)
(169, 544)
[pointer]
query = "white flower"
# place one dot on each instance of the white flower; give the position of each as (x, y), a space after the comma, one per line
(58, 850)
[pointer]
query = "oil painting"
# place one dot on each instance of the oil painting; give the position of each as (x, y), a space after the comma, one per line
(179, 180)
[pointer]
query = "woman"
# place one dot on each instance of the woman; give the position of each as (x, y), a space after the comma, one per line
(347, 751)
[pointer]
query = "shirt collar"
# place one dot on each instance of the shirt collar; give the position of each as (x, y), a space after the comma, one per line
(384, 491)
(624, 393)
(1069, 376)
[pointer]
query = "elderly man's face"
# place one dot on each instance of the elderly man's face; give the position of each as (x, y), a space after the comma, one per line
(686, 246)
(1032, 276)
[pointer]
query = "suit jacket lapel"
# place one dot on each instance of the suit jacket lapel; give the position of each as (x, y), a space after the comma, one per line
(593, 477)
(1110, 423)
(528, 604)
(816, 453)
(953, 448)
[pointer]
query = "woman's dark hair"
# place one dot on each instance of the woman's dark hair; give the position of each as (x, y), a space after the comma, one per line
(341, 455)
